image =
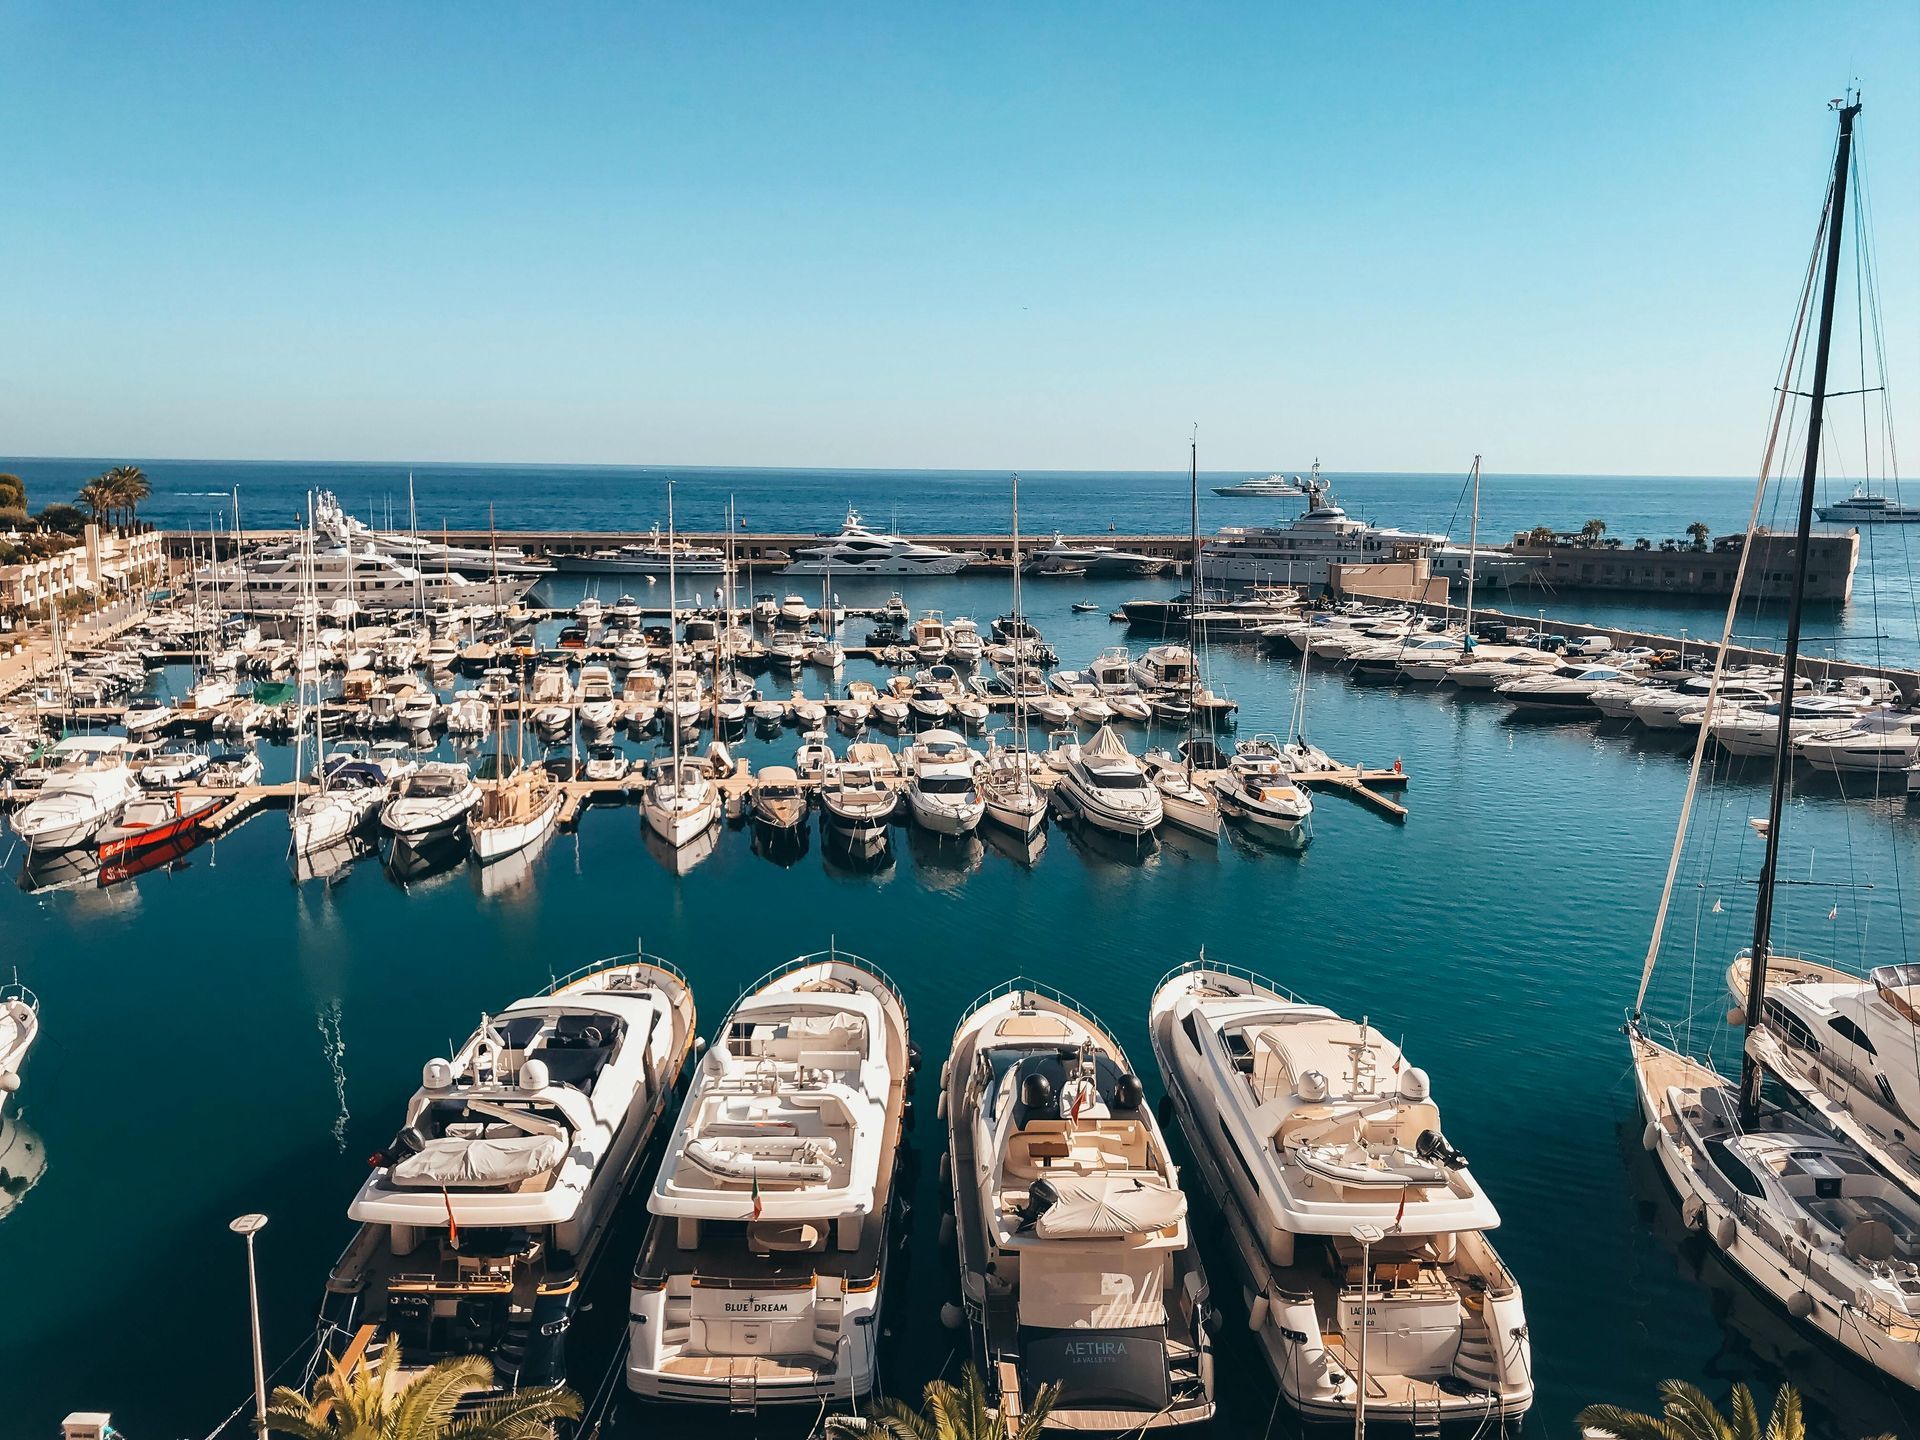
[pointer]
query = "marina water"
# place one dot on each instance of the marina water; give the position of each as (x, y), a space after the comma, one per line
(219, 1039)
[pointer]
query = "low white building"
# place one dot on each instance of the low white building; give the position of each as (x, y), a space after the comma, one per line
(103, 563)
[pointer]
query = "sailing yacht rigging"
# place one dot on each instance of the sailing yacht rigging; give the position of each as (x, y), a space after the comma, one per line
(1186, 803)
(1006, 774)
(680, 803)
(1799, 1209)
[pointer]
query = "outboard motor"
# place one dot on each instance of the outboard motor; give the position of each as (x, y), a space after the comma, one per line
(1128, 1093)
(1432, 1146)
(1041, 1197)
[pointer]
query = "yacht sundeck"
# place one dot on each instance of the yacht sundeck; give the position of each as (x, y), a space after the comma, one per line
(763, 1271)
(856, 800)
(431, 803)
(1077, 1266)
(1309, 1128)
(485, 1215)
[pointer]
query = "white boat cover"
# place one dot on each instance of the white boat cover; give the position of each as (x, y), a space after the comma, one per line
(1078, 1287)
(1103, 1206)
(1106, 744)
(506, 1160)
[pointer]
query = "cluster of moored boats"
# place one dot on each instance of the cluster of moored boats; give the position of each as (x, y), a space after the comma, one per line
(1357, 1232)
(1856, 725)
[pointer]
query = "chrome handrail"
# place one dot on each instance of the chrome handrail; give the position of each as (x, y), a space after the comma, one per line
(14, 990)
(1024, 983)
(1238, 972)
(638, 957)
(833, 954)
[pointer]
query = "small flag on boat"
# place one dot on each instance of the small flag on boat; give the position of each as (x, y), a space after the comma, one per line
(758, 1203)
(1834, 913)
(1401, 1213)
(1717, 908)
(453, 1226)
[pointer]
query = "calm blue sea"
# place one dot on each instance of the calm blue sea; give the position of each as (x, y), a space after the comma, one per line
(220, 1039)
(1879, 624)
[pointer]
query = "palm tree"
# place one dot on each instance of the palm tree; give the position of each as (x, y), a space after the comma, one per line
(1699, 532)
(1687, 1414)
(1593, 530)
(947, 1412)
(372, 1402)
(97, 496)
(128, 484)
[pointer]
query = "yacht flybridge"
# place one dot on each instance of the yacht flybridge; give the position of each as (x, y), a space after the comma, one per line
(485, 1214)
(762, 1274)
(1077, 1267)
(1361, 1230)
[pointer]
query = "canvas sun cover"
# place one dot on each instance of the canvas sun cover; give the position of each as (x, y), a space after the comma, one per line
(1092, 1287)
(1105, 745)
(505, 1160)
(1102, 1206)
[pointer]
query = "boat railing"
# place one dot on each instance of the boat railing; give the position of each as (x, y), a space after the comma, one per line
(14, 990)
(833, 954)
(1236, 972)
(638, 957)
(1025, 985)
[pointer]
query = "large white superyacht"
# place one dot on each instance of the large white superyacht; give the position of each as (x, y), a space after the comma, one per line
(1362, 1232)
(1077, 1264)
(1299, 553)
(762, 1274)
(860, 550)
(485, 1214)
(346, 578)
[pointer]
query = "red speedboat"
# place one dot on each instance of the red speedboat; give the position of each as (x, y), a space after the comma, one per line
(154, 820)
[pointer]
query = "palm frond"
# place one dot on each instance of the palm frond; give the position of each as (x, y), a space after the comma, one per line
(1622, 1424)
(1787, 1421)
(426, 1406)
(1688, 1407)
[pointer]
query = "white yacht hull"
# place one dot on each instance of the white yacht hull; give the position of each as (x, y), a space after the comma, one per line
(498, 841)
(680, 826)
(944, 817)
(1133, 823)
(1775, 1264)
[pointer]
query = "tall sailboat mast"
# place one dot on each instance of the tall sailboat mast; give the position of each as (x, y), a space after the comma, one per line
(1473, 555)
(1019, 685)
(673, 635)
(1750, 1071)
(1195, 626)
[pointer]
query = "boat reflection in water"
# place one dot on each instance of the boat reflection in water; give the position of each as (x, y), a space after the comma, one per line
(943, 862)
(23, 1160)
(45, 870)
(855, 858)
(1759, 1344)
(1020, 849)
(330, 863)
(166, 854)
(679, 859)
(413, 866)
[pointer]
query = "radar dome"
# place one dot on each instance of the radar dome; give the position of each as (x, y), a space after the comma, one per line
(1414, 1084)
(1312, 1085)
(436, 1074)
(533, 1075)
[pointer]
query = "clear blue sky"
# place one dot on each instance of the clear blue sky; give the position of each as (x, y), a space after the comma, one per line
(1046, 235)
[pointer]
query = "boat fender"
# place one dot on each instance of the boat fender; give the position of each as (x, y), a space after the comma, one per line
(1725, 1231)
(9, 1083)
(913, 1059)
(952, 1316)
(1257, 1312)
(1737, 1016)
(1799, 1304)
(1650, 1137)
(1693, 1212)
(946, 1167)
(946, 1231)
(946, 1068)
(940, 1106)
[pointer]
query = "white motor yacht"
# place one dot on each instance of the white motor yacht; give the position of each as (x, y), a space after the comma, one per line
(763, 1270)
(1164, 667)
(231, 770)
(1881, 742)
(1490, 670)
(1360, 1232)
(468, 716)
(144, 719)
(929, 637)
(815, 758)
(1754, 731)
(348, 796)
(1106, 785)
(681, 801)
(19, 1028)
(1668, 707)
(776, 802)
(485, 1216)
(1259, 788)
(1077, 1265)
(1564, 690)
(964, 645)
(88, 784)
(858, 550)
(431, 803)
(1861, 508)
(856, 799)
(1425, 660)
(595, 697)
(942, 791)
(795, 611)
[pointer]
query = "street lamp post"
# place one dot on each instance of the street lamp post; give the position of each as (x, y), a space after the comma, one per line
(1368, 1236)
(249, 1226)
